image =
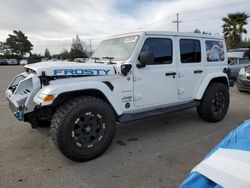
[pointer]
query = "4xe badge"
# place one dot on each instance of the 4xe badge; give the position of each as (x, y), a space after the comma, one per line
(127, 99)
(63, 72)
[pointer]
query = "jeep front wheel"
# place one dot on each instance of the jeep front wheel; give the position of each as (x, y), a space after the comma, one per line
(214, 103)
(83, 128)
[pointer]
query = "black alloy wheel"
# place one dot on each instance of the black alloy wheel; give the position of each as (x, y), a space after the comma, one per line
(218, 103)
(88, 130)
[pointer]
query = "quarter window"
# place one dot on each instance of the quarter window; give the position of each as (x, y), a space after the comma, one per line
(161, 48)
(215, 51)
(190, 51)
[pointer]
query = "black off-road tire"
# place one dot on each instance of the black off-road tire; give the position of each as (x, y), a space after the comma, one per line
(64, 122)
(207, 110)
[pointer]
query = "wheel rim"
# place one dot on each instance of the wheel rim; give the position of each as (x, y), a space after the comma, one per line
(218, 103)
(88, 130)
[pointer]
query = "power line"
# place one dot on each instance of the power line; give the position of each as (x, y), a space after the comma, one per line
(238, 3)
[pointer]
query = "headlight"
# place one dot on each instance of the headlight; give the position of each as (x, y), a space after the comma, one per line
(242, 72)
(45, 97)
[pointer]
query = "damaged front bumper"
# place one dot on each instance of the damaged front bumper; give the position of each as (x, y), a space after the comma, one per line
(17, 111)
(20, 94)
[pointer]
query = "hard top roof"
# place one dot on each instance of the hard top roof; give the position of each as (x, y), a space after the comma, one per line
(172, 33)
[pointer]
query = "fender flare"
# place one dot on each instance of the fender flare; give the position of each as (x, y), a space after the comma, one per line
(217, 77)
(62, 88)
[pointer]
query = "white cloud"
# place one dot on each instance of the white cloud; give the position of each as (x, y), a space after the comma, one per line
(52, 24)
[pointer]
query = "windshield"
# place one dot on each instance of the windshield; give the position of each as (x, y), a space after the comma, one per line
(118, 49)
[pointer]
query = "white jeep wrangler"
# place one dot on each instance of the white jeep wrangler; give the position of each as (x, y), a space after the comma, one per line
(129, 77)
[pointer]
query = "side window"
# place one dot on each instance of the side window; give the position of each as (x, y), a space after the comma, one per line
(190, 50)
(215, 51)
(161, 48)
(243, 61)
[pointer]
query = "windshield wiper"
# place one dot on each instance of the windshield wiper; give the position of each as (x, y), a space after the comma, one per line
(110, 59)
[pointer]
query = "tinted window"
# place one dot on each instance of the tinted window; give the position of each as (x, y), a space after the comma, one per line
(190, 51)
(161, 48)
(215, 51)
(244, 61)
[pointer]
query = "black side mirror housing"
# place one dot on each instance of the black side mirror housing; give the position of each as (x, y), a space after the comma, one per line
(125, 69)
(145, 57)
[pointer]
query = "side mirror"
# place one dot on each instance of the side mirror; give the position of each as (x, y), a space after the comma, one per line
(146, 57)
(125, 69)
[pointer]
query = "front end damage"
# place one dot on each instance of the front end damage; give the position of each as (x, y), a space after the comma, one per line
(20, 94)
(27, 93)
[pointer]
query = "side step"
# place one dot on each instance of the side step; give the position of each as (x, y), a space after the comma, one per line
(133, 117)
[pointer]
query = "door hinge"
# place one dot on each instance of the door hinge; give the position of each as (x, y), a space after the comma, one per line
(181, 91)
(180, 74)
(137, 97)
(136, 78)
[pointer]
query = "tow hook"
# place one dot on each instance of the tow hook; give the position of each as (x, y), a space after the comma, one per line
(19, 113)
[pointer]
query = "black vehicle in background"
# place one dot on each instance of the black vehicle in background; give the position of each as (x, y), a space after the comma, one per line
(4, 62)
(243, 79)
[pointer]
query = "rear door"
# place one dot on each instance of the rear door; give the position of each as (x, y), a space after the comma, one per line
(191, 68)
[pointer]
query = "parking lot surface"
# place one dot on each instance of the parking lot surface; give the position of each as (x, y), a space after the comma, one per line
(156, 152)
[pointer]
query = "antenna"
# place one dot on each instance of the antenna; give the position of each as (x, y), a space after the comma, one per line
(177, 21)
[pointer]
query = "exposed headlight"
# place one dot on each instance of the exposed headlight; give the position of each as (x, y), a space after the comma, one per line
(242, 72)
(46, 97)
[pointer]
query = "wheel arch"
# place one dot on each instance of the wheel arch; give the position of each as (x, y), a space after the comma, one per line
(210, 79)
(66, 91)
(63, 97)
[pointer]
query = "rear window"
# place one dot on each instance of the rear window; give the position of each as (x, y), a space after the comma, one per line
(215, 51)
(244, 61)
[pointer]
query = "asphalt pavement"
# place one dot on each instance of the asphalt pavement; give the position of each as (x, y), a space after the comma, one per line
(157, 152)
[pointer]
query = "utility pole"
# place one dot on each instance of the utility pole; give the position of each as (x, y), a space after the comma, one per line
(177, 21)
(90, 47)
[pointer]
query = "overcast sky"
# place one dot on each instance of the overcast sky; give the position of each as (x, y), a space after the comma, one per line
(53, 23)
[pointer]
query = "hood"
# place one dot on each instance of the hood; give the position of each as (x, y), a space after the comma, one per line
(61, 68)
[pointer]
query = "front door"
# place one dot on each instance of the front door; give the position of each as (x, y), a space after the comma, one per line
(156, 83)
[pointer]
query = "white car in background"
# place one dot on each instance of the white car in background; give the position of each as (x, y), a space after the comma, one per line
(12, 62)
(23, 62)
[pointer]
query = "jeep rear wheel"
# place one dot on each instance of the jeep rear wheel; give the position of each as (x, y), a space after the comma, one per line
(214, 103)
(83, 128)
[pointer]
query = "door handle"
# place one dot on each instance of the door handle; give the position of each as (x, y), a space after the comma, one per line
(198, 71)
(170, 73)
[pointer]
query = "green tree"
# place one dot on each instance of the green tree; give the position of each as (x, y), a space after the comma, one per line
(203, 32)
(17, 44)
(2, 48)
(64, 54)
(77, 50)
(233, 28)
(34, 58)
(197, 30)
(47, 53)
